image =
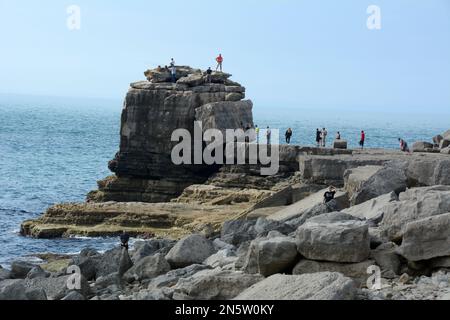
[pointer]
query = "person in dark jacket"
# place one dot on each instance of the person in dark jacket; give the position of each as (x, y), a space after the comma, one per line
(329, 195)
(124, 238)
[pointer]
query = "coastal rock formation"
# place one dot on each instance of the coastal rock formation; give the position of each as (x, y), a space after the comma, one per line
(153, 110)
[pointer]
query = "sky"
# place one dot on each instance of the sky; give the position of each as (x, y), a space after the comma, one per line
(287, 53)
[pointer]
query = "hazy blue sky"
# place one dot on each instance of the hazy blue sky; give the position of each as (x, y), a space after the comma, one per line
(288, 53)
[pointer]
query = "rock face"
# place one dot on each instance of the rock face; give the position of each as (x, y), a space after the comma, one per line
(373, 209)
(152, 111)
(340, 144)
(334, 237)
(314, 286)
(427, 238)
(148, 268)
(190, 250)
(365, 183)
(414, 204)
(270, 256)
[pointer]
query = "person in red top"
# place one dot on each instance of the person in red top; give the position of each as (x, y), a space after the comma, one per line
(219, 60)
(363, 138)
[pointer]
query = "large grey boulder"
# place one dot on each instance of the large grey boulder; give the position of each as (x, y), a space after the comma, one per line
(373, 209)
(445, 150)
(236, 232)
(214, 285)
(57, 288)
(148, 268)
(422, 146)
(37, 272)
(270, 256)
(340, 144)
(144, 249)
(387, 259)
(225, 258)
(314, 286)
(94, 265)
(13, 290)
(428, 171)
(414, 204)
(172, 277)
(263, 226)
(4, 274)
(74, 296)
(334, 237)
(365, 183)
(309, 206)
(20, 269)
(427, 238)
(125, 262)
(356, 271)
(193, 249)
(317, 210)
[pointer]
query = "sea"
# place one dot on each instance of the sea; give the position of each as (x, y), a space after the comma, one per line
(53, 150)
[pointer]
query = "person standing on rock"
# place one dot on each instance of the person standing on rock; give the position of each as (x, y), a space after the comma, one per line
(363, 139)
(268, 135)
(124, 238)
(219, 61)
(172, 63)
(173, 72)
(208, 75)
(318, 135)
(288, 135)
(324, 137)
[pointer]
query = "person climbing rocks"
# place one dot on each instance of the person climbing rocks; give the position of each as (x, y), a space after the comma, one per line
(268, 135)
(288, 135)
(219, 61)
(173, 73)
(329, 194)
(208, 75)
(324, 137)
(318, 135)
(338, 136)
(362, 140)
(124, 238)
(403, 145)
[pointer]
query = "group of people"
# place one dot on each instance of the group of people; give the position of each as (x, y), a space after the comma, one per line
(173, 70)
(321, 137)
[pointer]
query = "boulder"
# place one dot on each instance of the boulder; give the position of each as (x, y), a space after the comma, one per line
(144, 249)
(340, 144)
(222, 258)
(13, 290)
(57, 288)
(315, 211)
(309, 206)
(171, 278)
(125, 262)
(428, 171)
(109, 280)
(214, 285)
(356, 271)
(148, 268)
(444, 143)
(36, 295)
(236, 232)
(4, 274)
(437, 139)
(193, 249)
(387, 259)
(334, 237)
(414, 204)
(74, 295)
(37, 272)
(422, 146)
(445, 150)
(270, 256)
(20, 269)
(314, 286)
(426, 238)
(365, 183)
(446, 135)
(263, 226)
(373, 209)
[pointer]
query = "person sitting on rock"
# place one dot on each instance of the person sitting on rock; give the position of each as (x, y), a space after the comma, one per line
(159, 69)
(403, 145)
(329, 194)
(338, 136)
(124, 238)
(208, 75)
(219, 60)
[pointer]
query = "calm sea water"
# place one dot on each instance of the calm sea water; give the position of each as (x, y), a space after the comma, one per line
(54, 150)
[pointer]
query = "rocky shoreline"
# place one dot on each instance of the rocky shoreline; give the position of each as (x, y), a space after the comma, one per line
(226, 232)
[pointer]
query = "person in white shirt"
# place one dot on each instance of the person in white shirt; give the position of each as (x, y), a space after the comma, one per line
(324, 137)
